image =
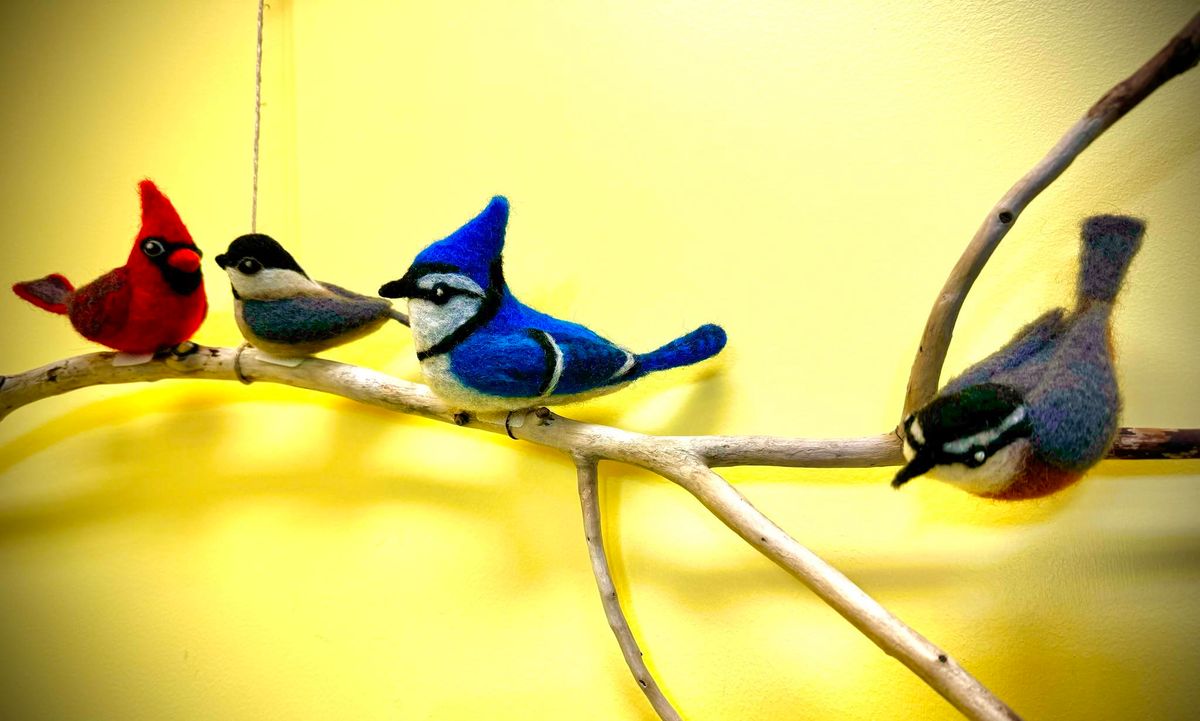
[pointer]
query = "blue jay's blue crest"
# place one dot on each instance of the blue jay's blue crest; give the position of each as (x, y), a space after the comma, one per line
(474, 247)
(482, 349)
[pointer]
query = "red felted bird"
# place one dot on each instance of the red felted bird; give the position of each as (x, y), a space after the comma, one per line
(155, 301)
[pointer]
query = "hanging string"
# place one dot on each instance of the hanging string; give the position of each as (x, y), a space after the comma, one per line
(257, 118)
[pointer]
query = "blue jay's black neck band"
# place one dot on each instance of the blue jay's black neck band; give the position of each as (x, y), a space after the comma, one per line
(487, 310)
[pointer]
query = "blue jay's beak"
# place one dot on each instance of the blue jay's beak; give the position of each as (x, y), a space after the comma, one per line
(919, 465)
(406, 287)
(220, 261)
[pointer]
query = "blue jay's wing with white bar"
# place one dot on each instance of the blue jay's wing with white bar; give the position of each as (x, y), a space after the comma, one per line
(535, 363)
(309, 319)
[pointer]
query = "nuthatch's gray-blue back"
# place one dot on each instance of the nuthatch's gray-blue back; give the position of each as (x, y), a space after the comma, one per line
(1032, 417)
(286, 314)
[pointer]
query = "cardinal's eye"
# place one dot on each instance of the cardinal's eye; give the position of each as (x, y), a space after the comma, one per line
(441, 293)
(249, 266)
(153, 247)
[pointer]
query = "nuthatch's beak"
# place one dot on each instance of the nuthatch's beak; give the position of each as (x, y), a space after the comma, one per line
(221, 261)
(184, 259)
(406, 287)
(919, 465)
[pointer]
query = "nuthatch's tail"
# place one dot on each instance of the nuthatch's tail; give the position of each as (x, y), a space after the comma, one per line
(51, 293)
(701, 344)
(1109, 244)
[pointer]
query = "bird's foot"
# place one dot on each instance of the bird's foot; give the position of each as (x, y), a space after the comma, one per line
(183, 350)
(131, 359)
(276, 360)
(462, 418)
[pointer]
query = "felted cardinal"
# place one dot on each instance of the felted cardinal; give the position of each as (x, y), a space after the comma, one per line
(153, 302)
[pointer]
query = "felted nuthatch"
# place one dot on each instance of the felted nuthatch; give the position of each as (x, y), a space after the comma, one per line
(287, 315)
(483, 350)
(1034, 416)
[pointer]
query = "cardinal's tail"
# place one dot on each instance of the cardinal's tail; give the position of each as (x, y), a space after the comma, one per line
(702, 343)
(51, 293)
(1109, 244)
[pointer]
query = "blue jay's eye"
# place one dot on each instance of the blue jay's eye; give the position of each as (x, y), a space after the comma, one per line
(153, 247)
(441, 293)
(249, 266)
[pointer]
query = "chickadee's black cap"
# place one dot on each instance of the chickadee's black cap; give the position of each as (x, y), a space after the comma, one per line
(263, 248)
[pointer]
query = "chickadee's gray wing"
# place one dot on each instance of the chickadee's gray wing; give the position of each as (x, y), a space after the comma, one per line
(391, 312)
(1030, 344)
(311, 319)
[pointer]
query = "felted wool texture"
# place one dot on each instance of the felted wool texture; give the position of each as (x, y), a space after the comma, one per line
(513, 356)
(1063, 368)
(51, 293)
(325, 320)
(1074, 409)
(1109, 244)
(147, 304)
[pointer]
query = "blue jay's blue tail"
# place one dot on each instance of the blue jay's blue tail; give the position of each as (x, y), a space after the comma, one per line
(702, 343)
(1109, 244)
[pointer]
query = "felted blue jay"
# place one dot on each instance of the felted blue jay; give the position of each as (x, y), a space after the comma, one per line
(1031, 418)
(481, 349)
(285, 314)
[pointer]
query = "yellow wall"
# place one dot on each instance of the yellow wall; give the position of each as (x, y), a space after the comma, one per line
(803, 173)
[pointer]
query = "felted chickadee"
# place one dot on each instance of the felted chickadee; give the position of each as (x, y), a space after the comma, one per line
(155, 301)
(287, 315)
(481, 349)
(1031, 418)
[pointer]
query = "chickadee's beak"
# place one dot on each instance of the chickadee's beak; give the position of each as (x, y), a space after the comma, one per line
(406, 287)
(220, 261)
(919, 465)
(184, 259)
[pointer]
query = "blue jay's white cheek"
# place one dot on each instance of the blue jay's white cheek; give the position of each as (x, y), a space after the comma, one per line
(431, 322)
(996, 473)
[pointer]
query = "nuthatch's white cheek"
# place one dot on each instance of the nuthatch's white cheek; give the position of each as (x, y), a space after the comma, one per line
(996, 473)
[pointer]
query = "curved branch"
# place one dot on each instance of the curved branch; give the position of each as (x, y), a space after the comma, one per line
(680, 459)
(1179, 55)
(589, 499)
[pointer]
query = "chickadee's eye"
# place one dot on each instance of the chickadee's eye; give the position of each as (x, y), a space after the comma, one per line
(153, 247)
(249, 266)
(441, 293)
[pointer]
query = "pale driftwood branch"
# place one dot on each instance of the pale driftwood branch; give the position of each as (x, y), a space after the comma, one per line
(682, 459)
(589, 499)
(678, 459)
(1179, 55)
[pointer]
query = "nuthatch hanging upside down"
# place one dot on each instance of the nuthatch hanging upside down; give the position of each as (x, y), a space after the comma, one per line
(1031, 418)
(286, 314)
(481, 349)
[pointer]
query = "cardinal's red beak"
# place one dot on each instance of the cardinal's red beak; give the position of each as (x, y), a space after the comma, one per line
(184, 259)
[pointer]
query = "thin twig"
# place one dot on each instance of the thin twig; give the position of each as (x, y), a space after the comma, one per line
(590, 501)
(1179, 55)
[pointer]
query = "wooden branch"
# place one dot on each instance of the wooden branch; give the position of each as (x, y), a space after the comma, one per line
(679, 459)
(589, 499)
(682, 459)
(1179, 55)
